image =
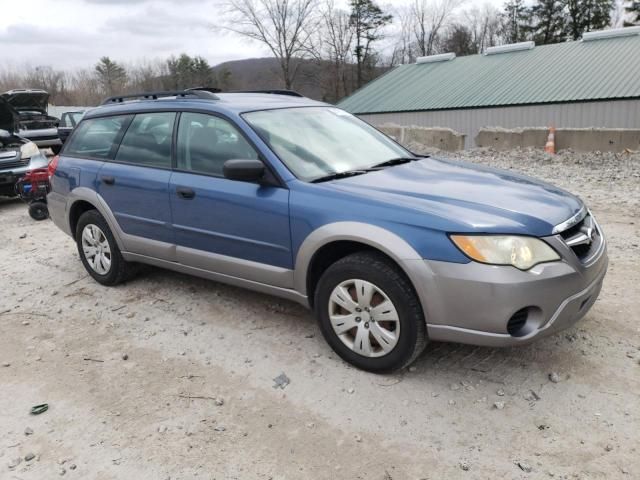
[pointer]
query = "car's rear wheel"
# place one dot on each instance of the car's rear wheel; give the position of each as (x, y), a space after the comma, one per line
(369, 313)
(99, 251)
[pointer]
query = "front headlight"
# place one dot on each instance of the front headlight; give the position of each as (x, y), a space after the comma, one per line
(521, 252)
(29, 150)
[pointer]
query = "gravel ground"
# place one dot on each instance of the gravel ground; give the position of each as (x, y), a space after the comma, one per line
(171, 377)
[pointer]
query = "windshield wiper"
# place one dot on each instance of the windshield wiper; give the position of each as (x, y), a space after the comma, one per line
(351, 173)
(395, 161)
(337, 175)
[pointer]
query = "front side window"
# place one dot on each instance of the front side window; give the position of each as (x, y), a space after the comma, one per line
(314, 142)
(148, 140)
(95, 137)
(70, 119)
(205, 142)
(65, 120)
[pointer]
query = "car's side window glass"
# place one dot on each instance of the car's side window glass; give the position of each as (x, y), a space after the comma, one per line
(148, 140)
(205, 142)
(95, 137)
(65, 120)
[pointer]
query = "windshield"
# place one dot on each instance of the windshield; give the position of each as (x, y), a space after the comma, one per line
(314, 142)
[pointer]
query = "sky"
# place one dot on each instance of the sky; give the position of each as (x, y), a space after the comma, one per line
(69, 34)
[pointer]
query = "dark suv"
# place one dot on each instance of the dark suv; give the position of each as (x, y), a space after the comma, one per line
(297, 198)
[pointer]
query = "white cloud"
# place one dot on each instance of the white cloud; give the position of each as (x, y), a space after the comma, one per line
(76, 33)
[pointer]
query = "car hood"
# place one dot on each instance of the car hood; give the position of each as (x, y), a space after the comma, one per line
(465, 197)
(28, 100)
(8, 117)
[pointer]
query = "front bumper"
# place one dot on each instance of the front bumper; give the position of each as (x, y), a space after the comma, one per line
(473, 303)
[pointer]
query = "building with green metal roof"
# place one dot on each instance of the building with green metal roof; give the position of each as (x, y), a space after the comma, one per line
(594, 82)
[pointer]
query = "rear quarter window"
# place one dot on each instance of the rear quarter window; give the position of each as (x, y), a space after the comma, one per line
(97, 137)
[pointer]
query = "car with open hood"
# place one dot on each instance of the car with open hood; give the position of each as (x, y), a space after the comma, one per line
(17, 154)
(288, 196)
(34, 121)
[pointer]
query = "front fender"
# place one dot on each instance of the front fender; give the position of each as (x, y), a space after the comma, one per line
(407, 258)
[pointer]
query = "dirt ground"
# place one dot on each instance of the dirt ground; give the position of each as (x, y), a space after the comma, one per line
(194, 398)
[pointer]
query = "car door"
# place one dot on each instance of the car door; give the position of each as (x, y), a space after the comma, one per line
(135, 185)
(231, 227)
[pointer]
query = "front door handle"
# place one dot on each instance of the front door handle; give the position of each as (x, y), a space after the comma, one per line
(184, 192)
(108, 180)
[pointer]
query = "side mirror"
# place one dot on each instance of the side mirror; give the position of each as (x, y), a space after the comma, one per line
(243, 170)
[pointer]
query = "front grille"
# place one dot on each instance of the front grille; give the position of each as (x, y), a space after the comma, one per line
(583, 238)
(37, 124)
(17, 163)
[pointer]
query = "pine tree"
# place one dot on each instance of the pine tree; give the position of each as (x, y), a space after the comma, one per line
(633, 10)
(514, 19)
(367, 19)
(110, 76)
(587, 15)
(547, 22)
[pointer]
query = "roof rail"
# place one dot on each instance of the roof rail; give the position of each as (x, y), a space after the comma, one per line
(204, 89)
(273, 91)
(198, 93)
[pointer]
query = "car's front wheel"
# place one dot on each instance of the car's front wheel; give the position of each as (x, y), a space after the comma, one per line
(369, 313)
(99, 251)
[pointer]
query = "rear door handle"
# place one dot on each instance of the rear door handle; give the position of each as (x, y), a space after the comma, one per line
(184, 192)
(108, 180)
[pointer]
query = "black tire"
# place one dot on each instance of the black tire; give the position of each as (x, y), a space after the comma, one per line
(119, 270)
(38, 211)
(385, 274)
(56, 149)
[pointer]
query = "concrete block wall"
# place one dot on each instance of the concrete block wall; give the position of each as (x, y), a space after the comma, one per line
(577, 139)
(441, 138)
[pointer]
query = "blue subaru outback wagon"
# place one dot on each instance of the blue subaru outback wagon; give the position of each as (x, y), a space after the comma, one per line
(296, 198)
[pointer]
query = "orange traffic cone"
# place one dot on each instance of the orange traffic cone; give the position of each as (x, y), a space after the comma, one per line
(550, 146)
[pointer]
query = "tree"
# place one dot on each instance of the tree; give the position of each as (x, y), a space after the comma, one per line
(367, 20)
(633, 11)
(284, 26)
(429, 18)
(484, 25)
(186, 72)
(405, 50)
(111, 76)
(335, 46)
(514, 21)
(547, 21)
(46, 78)
(459, 40)
(224, 79)
(587, 15)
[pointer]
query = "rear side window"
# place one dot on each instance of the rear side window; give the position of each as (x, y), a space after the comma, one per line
(205, 142)
(95, 137)
(147, 141)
